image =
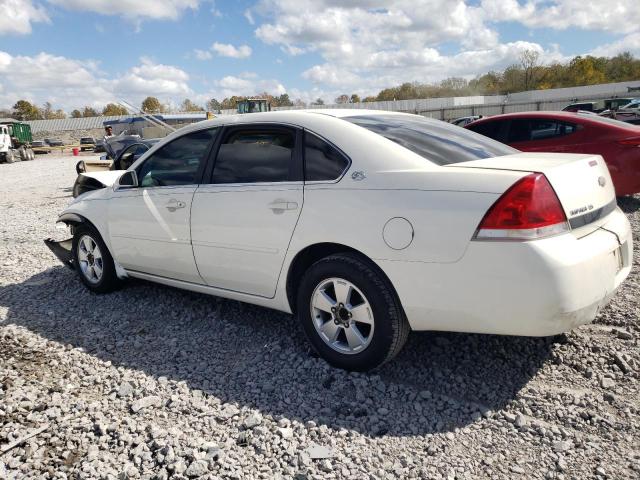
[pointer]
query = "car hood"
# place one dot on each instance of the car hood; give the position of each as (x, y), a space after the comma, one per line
(106, 178)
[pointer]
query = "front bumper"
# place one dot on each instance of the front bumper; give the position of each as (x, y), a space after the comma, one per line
(536, 288)
(62, 250)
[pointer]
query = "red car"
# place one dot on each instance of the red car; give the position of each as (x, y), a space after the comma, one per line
(568, 132)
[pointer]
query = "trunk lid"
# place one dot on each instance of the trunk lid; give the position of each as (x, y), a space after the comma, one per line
(581, 182)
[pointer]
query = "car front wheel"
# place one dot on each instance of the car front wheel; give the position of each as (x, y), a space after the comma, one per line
(93, 261)
(350, 313)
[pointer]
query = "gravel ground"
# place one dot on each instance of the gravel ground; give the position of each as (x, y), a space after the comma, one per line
(153, 382)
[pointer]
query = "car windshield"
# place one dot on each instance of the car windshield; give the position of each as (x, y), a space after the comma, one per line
(436, 141)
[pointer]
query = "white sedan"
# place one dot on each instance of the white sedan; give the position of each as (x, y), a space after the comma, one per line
(364, 224)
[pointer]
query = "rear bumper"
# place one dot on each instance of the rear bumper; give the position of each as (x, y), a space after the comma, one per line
(62, 250)
(536, 288)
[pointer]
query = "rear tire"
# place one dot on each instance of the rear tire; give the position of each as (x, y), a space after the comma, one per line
(24, 155)
(32, 154)
(350, 313)
(93, 262)
(9, 157)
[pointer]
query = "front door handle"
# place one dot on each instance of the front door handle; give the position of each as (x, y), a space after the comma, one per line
(280, 205)
(174, 204)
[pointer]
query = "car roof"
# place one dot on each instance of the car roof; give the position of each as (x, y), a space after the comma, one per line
(578, 117)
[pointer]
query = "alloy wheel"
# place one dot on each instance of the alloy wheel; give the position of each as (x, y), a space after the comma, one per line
(342, 316)
(90, 259)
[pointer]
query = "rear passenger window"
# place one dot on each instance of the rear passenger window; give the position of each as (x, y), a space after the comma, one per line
(524, 130)
(322, 160)
(252, 156)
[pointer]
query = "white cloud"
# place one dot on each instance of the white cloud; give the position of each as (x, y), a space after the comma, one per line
(203, 54)
(72, 83)
(228, 50)
(135, 9)
(223, 50)
(630, 43)
(16, 16)
(367, 45)
(150, 78)
(617, 16)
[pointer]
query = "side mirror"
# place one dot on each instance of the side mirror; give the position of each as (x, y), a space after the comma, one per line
(129, 179)
(80, 167)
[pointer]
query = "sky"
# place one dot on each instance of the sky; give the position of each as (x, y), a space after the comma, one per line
(74, 53)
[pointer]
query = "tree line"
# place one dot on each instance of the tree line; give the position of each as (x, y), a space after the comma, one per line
(527, 74)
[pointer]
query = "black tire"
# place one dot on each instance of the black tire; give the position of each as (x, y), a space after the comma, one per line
(108, 281)
(391, 328)
(10, 157)
(24, 155)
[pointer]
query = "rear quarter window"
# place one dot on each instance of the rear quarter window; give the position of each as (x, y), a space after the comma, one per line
(434, 140)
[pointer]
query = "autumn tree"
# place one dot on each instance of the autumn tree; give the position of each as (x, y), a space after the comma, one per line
(89, 112)
(188, 106)
(113, 110)
(355, 98)
(48, 113)
(344, 98)
(152, 105)
(213, 105)
(284, 100)
(529, 64)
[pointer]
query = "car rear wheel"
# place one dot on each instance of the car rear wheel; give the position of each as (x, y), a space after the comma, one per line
(350, 313)
(93, 261)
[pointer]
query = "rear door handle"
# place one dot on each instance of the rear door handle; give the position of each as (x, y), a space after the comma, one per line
(283, 205)
(174, 204)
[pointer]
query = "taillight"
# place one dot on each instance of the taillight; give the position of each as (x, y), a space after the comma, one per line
(630, 142)
(529, 210)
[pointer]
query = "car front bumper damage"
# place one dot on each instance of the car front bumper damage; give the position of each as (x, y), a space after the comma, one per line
(62, 250)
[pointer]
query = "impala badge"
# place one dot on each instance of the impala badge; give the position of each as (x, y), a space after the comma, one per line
(358, 175)
(602, 181)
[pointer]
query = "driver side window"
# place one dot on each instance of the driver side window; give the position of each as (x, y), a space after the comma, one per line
(178, 162)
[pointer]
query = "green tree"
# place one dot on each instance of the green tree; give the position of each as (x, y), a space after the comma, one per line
(355, 98)
(76, 113)
(24, 110)
(152, 105)
(113, 110)
(318, 101)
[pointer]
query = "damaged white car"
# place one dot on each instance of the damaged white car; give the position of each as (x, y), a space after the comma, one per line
(364, 224)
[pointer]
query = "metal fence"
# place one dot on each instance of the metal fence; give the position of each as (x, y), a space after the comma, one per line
(441, 108)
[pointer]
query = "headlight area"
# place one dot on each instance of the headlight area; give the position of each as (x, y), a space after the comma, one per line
(84, 184)
(62, 248)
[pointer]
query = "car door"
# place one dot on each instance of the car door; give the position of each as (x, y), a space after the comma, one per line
(149, 225)
(243, 219)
